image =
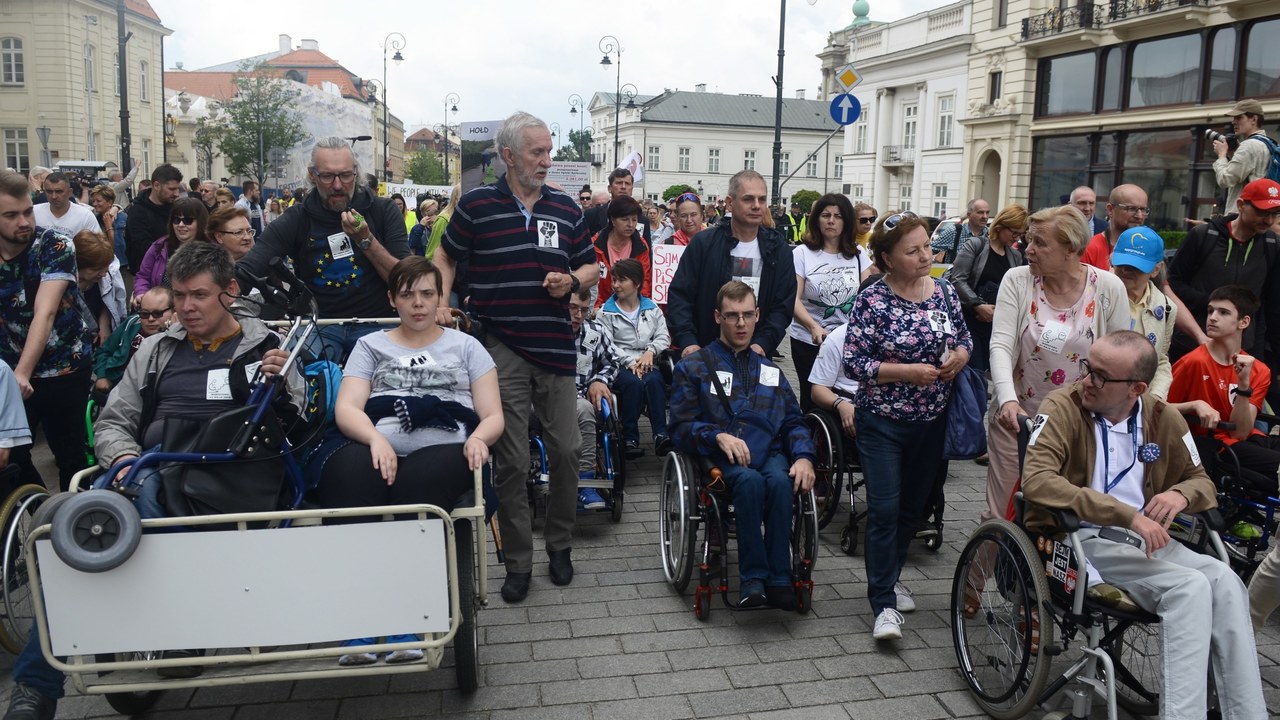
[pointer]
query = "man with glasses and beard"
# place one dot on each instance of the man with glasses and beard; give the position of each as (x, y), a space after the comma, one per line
(342, 245)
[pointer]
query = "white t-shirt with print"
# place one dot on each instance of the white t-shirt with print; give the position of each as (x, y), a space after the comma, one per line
(830, 283)
(746, 264)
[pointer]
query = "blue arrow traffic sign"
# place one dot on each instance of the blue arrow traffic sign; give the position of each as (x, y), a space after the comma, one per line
(845, 109)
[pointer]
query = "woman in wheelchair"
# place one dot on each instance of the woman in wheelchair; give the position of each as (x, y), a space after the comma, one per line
(417, 413)
(1124, 462)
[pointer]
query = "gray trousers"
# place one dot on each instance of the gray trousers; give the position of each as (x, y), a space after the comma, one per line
(587, 428)
(1264, 589)
(553, 400)
(1204, 618)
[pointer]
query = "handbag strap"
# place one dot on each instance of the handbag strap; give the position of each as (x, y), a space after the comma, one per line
(715, 379)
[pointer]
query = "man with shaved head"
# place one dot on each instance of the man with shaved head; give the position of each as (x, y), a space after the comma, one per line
(1126, 208)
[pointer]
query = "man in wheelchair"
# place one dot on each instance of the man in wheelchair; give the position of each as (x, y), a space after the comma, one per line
(735, 407)
(1125, 463)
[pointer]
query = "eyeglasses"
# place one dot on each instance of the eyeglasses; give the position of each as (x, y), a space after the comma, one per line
(327, 177)
(738, 318)
(1273, 213)
(577, 309)
(153, 314)
(184, 221)
(1098, 380)
(584, 198)
(866, 220)
(246, 232)
(1135, 209)
(685, 197)
(892, 221)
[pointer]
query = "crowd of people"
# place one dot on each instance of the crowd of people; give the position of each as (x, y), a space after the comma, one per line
(1078, 322)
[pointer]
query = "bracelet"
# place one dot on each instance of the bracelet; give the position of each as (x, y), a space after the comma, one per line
(835, 406)
(1244, 392)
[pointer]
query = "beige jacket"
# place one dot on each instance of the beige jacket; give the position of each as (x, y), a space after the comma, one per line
(1156, 322)
(1248, 163)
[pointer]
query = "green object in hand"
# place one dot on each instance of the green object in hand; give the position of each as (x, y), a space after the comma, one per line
(359, 220)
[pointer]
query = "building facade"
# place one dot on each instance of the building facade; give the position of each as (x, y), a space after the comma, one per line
(60, 83)
(701, 139)
(905, 150)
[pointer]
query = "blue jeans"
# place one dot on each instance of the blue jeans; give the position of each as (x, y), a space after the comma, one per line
(762, 495)
(636, 394)
(147, 502)
(335, 342)
(900, 464)
(30, 668)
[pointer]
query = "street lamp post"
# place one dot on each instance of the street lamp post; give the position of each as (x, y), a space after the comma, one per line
(555, 134)
(394, 41)
(450, 106)
(372, 87)
(777, 118)
(609, 44)
(576, 107)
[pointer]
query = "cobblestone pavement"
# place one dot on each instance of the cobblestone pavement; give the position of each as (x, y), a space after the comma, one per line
(619, 643)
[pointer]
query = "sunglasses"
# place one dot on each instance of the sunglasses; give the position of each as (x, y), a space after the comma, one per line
(153, 314)
(892, 221)
(688, 196)
(584, 198)
(866, 220)
(184, 221)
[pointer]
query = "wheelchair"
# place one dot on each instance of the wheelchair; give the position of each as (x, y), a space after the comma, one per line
(1013, 590)
(838, 465)
(16, 515)
(611, 466)
(695, 497)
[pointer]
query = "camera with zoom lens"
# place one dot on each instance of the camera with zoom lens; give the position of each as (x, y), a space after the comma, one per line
(1213, 135)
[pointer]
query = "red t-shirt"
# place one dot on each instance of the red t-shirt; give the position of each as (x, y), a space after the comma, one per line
(1098, 252)
(1197, 376)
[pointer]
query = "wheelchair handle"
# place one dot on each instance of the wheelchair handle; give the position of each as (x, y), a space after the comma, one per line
(1222, 424)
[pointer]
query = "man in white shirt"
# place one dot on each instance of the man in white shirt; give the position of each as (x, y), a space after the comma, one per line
(60, 213)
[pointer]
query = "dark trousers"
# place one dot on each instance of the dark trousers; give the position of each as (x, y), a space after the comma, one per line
(59, 403)
(804, 355)
(436, 475)
(1261, 454)
(641, 393)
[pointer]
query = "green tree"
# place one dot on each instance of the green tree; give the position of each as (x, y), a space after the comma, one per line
(675, 190)
(578, 149)
(424, 167)
(806, 199)
(261, 116)
(207, 136)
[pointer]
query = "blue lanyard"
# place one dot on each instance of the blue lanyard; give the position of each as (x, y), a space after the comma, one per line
(1106, 453)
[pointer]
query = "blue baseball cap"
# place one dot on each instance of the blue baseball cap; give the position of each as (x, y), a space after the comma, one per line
(1138, 247)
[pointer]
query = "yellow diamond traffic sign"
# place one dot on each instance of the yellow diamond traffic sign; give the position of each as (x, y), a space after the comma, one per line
(848, 77)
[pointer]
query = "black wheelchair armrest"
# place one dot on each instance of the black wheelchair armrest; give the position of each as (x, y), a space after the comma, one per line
(1213, 518)
(1066, 520)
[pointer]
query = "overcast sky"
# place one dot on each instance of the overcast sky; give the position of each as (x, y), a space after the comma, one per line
(500, 55)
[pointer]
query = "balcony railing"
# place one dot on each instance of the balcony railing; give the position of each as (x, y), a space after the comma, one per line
(899, 153)
(1124, 9)
(1080, 17)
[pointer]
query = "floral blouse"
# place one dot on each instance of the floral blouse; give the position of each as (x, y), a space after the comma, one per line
(885, 328)
(1053, 343)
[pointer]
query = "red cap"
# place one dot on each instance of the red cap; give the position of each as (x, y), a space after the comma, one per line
(1264, 194)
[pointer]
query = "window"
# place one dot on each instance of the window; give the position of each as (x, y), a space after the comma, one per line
(16, 153)
(749, 160)
(855, 191)
(655, 157)
(12, 71)
(940, 200)
(1164, 72)
(144, 84)
(994, 83)
(1222, 64)
(904, 197)
(811, 166)
(1262, 60)
(946, 120)
(90, 69)
(1002, 13)
(784, 167)
(838, 166)
(1059, 164)
(146, 157)
(860, 135)
(1112, 80)
(1065, 84)
(910, 113)
(713, 160)
(682, 159)
(115, 74)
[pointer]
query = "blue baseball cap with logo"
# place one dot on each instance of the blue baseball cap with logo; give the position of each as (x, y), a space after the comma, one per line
(1138, 247)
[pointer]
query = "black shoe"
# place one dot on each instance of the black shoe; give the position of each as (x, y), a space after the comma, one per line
(661, 445)
(188, 671)
(561, 567)
(752, 595)
(516, 586)
(782, 597)
(633, 449)
(27, 703)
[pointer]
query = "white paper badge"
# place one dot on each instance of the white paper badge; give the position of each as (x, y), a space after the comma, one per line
(548, 234)
(726, 381)
(1191, 447)
(251, 369)
(752, 281)
(340, 246)
(1036, 426)
(769, 376)
(217, 384)
(939, 321)
(422, 359)
(1054, 337)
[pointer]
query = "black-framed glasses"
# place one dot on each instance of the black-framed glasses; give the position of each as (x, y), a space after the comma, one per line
(892, 221)
(328, 177)
(1098, 380)
(153, 314)
(866, 220)
(184, 221)
(584, 198)
(1135, 209)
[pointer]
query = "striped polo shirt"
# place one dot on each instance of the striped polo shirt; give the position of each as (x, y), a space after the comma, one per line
(508, 250)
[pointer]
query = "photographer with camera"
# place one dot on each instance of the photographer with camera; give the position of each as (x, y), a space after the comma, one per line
(1250, 160)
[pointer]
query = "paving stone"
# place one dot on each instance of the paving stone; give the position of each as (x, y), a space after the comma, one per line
(918, 683)
(706, 705)
(612, 626)
(830, 691)
(673, 707)
(664, 641)
(576, 648)
(817, 712)
(632, 664)
(529, 672)
(574, 692)
(712, 657)
(312, 710)
(768, 674)
(919, 707)
(689, 681)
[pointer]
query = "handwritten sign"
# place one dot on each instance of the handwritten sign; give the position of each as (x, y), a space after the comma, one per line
(410, 191)
(666, 258)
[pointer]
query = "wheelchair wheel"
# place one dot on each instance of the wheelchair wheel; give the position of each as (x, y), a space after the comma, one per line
(1001, 621)
(849, 540)
(1135, 650)
(677, 529)
(829, 467)
(17, 513)
(466, 648)
(804, 548)
(131, 703)
(614, 462)
(96, 531)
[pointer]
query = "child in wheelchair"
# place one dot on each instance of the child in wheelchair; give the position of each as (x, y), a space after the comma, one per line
(1126, 464)
(598, 365)
(730, 404)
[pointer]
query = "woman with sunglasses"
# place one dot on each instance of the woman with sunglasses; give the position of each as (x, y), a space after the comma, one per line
(688, 218)
(829, 269)
(188, 220)
(906, 343)
(981, 264)
(866, 218)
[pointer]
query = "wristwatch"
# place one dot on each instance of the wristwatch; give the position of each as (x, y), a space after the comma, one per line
(574, 284)
(365, 242)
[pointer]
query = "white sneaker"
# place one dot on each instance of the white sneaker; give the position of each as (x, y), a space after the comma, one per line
(888, 625)
(906, 601)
